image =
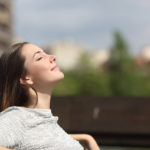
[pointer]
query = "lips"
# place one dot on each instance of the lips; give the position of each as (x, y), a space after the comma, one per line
(55, 67)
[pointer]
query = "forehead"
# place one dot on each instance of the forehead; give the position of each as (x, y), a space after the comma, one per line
(28, 50)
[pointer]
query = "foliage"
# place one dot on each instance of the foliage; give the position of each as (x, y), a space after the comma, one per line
(84, 80)
(126, 78)
(121, 78)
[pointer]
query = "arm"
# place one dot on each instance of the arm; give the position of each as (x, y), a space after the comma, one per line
(86, 139)
(4, 148)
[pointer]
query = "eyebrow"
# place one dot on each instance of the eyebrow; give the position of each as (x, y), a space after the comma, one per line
(36, 53)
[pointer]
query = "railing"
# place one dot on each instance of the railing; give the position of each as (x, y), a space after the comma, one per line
(112, 121)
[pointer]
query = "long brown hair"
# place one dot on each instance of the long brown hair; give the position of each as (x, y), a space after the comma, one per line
(12, 93)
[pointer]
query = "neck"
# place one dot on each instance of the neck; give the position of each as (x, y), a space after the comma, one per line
(40, 100)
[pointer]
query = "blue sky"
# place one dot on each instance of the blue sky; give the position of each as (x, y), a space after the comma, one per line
(89, 23)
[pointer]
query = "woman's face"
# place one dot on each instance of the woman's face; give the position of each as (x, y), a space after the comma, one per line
(41, 67)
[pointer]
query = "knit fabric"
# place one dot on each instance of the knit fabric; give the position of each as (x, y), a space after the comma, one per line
(24, 128)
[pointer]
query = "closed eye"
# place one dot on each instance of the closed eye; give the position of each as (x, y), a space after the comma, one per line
(39, 58)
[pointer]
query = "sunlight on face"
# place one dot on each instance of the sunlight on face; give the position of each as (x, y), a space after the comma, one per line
(41, 67)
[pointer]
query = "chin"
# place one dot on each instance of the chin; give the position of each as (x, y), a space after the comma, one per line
(56, 79)
(61, 76)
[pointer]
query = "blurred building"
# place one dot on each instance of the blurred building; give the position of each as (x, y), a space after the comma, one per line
(67, 54)
(143, 59)
(145, 53)
(5, 24)
(100, 57)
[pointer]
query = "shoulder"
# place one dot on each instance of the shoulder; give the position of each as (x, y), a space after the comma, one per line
(10, 127)
(12, 110)
(10, 116)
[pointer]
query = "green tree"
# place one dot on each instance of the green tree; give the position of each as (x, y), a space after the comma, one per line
(126, 78)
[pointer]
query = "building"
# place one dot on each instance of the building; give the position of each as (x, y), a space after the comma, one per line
(5, 24)
(100, 57)
(145, 53)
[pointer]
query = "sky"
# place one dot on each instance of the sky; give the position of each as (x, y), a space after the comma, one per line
(89, 23)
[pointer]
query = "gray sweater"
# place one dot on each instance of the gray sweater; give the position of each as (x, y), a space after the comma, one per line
(33, 129)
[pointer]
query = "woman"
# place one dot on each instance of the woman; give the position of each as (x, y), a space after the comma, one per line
(27, 78)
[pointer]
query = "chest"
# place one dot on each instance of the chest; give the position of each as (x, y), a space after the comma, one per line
(47, 136)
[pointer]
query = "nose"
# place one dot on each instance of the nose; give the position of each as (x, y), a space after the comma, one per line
(52, 58)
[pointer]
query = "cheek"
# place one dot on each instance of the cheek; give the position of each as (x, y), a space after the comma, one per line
(39, 71)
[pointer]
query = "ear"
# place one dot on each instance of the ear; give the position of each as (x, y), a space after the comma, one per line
(26, 81)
